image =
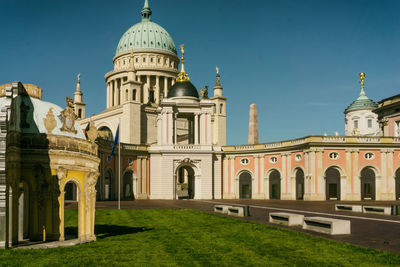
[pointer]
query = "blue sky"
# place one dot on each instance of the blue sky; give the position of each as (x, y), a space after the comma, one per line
(297, 60)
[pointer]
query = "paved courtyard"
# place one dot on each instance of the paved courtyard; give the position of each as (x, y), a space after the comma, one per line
(368, 230)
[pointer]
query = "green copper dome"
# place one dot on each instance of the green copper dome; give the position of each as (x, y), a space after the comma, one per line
(362, 102)
(146, 35)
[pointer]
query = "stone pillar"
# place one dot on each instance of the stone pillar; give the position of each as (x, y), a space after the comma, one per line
(165, 87)
(157, 92)
(21, 216)
(108, 94)
(115, 89)
(144, 176)
(172, 81)
(254, 182)
(119, 91)
(139, 176)
(253, 125)
(170, 120)
(356, 179)
(284, 180)
(196, 128)
(208, 128)
(147, 90)
(175, 129)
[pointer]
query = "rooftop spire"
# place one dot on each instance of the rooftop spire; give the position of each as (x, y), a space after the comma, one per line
(78, 83)
(362, 80)
(146, 11)
(182, 76)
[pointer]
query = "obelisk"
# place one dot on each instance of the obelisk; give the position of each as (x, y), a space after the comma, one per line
(253, 125)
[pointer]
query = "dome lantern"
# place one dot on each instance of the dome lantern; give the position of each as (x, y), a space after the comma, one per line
(146, 11)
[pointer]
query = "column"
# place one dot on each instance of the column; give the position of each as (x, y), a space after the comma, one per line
(118, 92)
(165, 87)
(313, 176)
(144, 175)
(108, 94)
(345, 193)
(115, 97)
(196, 128)
(139, 93)
(289, 180)
(164, 128)
(284, 178)
(390, 178)
(355, 180)
(255, 179)
(170, 124)
(139, 175)
(208, 128)
(172, 81)
(157, 92)
(147, 90)
(262, 166)
(175, 129)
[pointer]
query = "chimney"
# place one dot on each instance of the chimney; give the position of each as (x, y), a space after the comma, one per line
(253, 125)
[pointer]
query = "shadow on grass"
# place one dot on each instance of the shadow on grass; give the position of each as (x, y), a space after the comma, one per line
(106, 230)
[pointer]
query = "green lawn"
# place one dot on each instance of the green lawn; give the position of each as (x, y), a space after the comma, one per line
(190, 237)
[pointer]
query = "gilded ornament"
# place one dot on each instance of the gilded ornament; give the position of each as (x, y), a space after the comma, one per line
(362, 79)
(92, 132)
(50, 122)
(182, 75)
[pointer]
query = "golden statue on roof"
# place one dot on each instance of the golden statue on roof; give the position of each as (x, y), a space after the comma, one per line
(182, 75)
(362, 79)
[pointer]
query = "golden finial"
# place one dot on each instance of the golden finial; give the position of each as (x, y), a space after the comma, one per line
(362, 79)
(182, 76)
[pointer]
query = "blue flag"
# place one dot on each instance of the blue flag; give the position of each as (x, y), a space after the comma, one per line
(114, 145)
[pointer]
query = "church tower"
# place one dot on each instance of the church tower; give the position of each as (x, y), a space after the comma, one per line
(79, 106)
(218, 118)
(359, 116)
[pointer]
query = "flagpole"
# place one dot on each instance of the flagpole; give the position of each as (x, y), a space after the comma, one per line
(119, 167)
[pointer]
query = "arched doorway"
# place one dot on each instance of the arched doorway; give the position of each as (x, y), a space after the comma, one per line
(185, 183)
(275, 185)
(332, 184)
(245, 185)
(299, 184)
(397, 182)
(108, 185)
(367, 184)
(127, 186)
(71, 210)
(70, 192)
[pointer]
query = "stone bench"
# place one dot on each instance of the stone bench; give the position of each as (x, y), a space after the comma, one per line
(327, 225)
(221, 208)
(377, 210)
(285, 218)
(347, 207)
(241, 211)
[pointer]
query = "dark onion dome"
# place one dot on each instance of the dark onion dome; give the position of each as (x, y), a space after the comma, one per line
(182, 89)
